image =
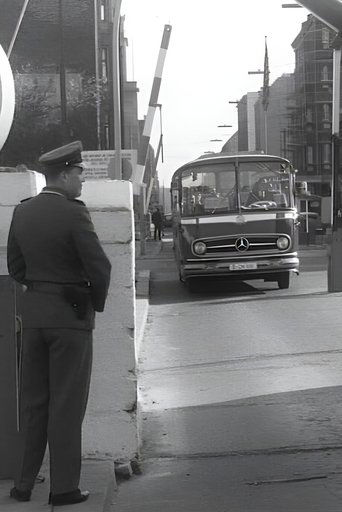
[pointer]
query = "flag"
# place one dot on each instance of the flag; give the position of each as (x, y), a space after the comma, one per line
(266, 86)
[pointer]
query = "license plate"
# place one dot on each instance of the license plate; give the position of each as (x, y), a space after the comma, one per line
(243, 266)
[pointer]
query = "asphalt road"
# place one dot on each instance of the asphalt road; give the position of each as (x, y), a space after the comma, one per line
(239, 395)
(269, 356)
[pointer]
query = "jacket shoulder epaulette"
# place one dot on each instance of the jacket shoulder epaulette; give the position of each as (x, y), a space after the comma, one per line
(26, 199)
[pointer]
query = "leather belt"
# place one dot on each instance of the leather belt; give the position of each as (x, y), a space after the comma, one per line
(49, 287)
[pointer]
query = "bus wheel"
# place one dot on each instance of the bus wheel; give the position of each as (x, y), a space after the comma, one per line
(284, 280)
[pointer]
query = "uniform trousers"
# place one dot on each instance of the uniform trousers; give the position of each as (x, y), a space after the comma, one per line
(56, 369)
(157, 231)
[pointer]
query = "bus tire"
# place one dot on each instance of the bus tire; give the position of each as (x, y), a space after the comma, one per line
(283, 280)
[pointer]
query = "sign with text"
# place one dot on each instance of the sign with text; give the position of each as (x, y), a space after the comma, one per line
(96, 163)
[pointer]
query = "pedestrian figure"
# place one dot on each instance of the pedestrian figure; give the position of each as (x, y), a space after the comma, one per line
(157, 220)
(54, 251)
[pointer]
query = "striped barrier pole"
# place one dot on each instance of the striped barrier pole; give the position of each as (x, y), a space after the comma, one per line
(146, 135)
(7, 97)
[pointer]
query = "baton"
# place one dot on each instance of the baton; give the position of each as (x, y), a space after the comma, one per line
(18, 357)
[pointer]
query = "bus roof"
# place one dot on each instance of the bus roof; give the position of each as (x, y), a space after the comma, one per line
(229, 157)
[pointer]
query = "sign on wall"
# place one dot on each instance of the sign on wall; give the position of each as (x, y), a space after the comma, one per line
(96, 163)
(7, 97)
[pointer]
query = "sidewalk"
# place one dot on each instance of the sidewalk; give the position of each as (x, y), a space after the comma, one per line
(97, 477)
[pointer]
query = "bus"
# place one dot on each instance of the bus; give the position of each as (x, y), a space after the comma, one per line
(235, 216)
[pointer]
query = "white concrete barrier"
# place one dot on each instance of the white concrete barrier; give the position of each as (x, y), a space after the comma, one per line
(110, 427)
(110, 424)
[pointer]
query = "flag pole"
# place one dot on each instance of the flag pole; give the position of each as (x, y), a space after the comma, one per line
(266, 137)
(266, 93)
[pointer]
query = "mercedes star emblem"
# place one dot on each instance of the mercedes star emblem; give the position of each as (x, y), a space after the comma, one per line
(241, 244)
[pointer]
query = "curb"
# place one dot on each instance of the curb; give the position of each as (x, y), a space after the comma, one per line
(142, 305)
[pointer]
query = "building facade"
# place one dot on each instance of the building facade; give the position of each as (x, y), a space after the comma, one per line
(62, 64)
(246, 122)
(309, 135)
(275, 120)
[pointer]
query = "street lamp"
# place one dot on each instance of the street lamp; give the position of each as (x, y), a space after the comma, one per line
(117, 171)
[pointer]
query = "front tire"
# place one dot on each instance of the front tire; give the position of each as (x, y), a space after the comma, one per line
(284, 280)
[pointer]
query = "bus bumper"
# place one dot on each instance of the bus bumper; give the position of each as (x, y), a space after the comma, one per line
(247, 269)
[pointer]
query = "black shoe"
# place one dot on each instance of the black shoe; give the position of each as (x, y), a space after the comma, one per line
(68, 498)
(20, 495)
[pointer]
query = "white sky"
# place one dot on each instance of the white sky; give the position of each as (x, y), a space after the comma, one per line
(212, 47)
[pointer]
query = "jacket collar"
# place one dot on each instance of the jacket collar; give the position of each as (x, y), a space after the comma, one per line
(54, 190)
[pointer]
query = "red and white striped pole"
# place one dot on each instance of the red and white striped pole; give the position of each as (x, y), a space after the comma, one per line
(146, 135)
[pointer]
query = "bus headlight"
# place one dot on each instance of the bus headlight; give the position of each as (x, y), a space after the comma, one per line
(200, 248)
(283, 242)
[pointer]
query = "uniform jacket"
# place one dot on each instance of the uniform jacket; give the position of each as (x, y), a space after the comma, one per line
(52, 240)
(157, 218)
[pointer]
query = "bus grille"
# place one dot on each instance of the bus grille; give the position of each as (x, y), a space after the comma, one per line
(243, 244)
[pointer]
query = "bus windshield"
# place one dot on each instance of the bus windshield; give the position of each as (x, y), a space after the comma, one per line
(216, 188)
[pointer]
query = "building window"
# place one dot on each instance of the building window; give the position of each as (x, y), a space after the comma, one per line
(325, 76)
(326, 112)
(104, 64)
(325, 38)
(309, 115)
(309, 155)
(104, 10)
(326, 153)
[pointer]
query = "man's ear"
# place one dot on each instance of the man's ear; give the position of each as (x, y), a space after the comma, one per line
(64, 175)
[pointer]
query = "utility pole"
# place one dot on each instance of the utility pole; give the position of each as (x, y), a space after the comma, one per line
(97, 76)
(20, 19)
(116, 172)
(62, 76)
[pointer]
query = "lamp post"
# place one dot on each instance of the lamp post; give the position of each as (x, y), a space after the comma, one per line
(116, 172)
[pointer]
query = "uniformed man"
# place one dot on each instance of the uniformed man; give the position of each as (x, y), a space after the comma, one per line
(54, 251)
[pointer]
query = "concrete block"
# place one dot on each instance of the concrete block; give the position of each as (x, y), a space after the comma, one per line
(15, 186)
(108, 194)
(113, 227)
(112, 435)
(6, 213)
(110, 425)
